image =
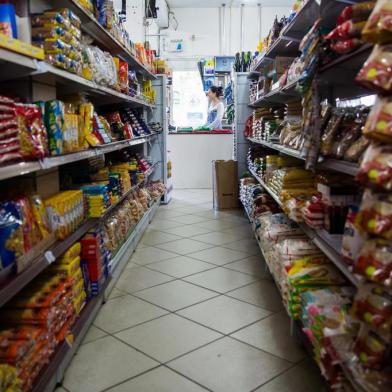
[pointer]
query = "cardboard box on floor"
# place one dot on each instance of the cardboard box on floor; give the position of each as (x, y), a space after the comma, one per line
(225, 184)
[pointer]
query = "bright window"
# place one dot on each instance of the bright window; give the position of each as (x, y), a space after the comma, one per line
(189, 100)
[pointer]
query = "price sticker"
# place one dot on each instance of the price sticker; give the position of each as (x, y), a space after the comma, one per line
(49, 257)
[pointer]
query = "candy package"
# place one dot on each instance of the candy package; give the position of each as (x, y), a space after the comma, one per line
(376, 73)
(375, 261)
(378, 28)
(379, 123)
(376, 168)
(346, 30)
(346, 45)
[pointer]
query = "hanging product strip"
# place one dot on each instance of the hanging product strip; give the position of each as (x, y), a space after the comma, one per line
(327, 226)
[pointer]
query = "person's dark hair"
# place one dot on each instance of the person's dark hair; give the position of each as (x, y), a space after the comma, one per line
(217, 90)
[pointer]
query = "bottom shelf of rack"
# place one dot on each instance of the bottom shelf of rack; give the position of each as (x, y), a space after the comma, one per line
(54, 372)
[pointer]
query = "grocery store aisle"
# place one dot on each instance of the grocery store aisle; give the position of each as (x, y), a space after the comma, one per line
(194, 310)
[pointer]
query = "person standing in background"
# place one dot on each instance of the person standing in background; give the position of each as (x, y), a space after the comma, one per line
(216, 108)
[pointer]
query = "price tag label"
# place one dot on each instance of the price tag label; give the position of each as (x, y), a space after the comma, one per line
(49, 256)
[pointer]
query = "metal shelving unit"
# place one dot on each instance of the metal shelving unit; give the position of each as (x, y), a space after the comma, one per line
(102, 36)
(328, 164)
(54, 372)
(22, 168)
(288, 42)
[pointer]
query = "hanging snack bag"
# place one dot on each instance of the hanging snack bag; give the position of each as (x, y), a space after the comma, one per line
(378, 28)
(376, 73)
(375, 261)
(379, 122)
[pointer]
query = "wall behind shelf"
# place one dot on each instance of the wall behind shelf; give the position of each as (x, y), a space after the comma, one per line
(199, 28)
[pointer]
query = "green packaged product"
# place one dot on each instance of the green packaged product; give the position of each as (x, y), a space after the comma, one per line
(54, 122)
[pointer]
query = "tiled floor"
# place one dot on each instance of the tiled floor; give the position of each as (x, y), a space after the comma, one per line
(194, 310)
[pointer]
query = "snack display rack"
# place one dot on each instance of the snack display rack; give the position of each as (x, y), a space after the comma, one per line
(37, 80)
(336, 81)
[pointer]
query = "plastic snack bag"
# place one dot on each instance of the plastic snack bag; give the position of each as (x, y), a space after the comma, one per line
(376, 73)
(378, 28)
(376, 168)
(375, 215)
(379, 122)
(375, 261)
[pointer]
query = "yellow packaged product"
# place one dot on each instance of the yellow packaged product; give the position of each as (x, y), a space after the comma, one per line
(79, 301)
(87, 113)
(69, 269)
(78, 287)
(71, 253)
(71, 133)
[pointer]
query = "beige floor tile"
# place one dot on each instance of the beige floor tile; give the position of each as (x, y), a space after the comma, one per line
(224, 314)
(164, 224)
(253, 265)
(151, 255)
(115, 293)
(247, 245)
(136, 279)
(93, 334)
(184, 246)
(175, 295)
(273, 335)
(158, 237)
(181, 266)
(229, 366)
(241, 232)
(297, 379)
(104, 363)
(125, 312)
(262, 293)
(189, 219)
(188, 231)
(168, 337)
(218, 255)
(158, 380)
(216, 238)
(217, 225)
(221, 280)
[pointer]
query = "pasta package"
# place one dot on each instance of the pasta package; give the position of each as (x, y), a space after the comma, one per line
(378, 28)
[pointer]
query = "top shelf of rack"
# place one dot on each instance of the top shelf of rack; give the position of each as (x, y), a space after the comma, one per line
(91, 26)
(288, 42)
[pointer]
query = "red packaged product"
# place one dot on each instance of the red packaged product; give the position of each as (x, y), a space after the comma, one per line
(346, 30)
(373, 305)
(359, 11)
(32, 132)
(375, 261)
(346, 46)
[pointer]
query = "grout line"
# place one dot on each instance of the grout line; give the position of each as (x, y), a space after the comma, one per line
(131, 378)
(188, 378)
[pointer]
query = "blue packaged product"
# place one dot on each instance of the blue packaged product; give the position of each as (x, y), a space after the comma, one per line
(11, 234)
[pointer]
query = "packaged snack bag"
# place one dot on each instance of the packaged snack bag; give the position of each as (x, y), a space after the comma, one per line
(379, 122)
(54, 122)
(376, 73)
(376, 168)
(378, 28)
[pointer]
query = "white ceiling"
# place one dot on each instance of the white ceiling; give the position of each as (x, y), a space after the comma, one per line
(234, 3)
